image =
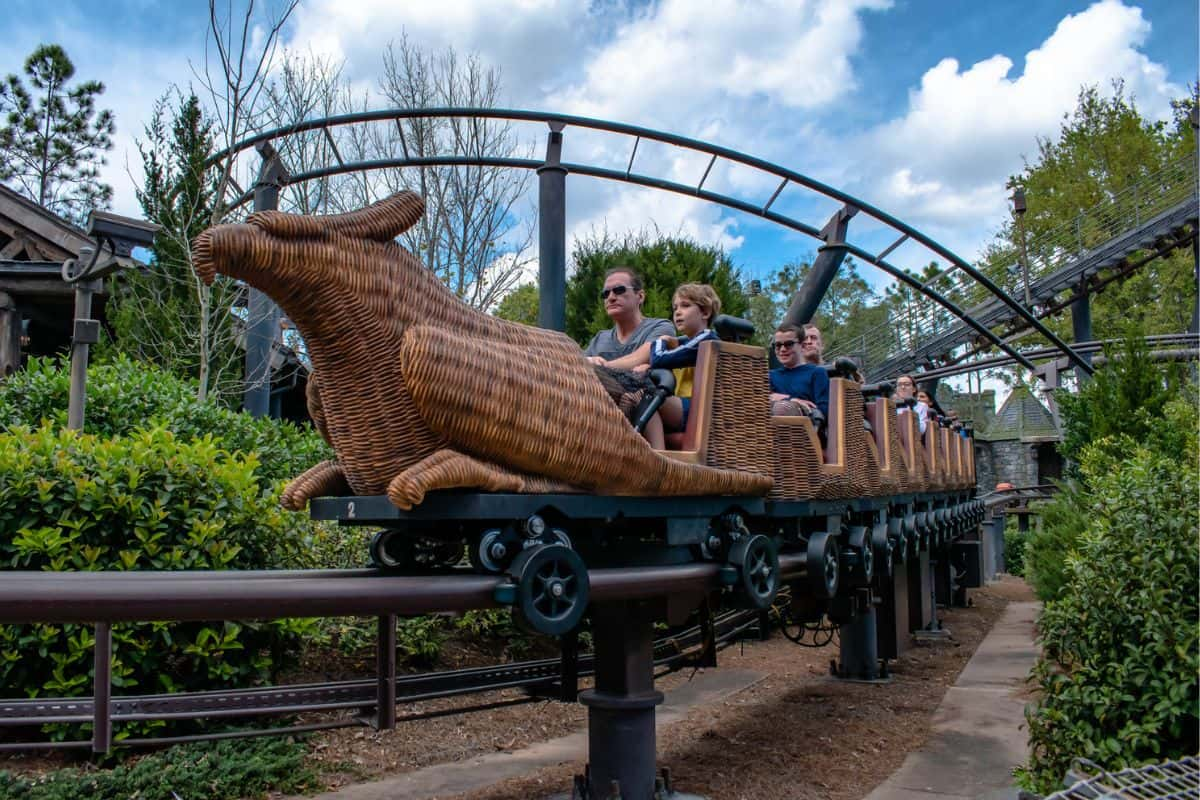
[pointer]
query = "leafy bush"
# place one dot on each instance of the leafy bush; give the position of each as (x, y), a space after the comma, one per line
(1127, 397)
(1060, 522)
(142, 501)
(1014, 552)
(223, 770)
(125, 395)
(1120, 647)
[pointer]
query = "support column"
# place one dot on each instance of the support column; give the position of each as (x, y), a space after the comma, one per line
(858, 656)
(919, 612)
(621, 734)
(1081, 325)
(824, 269)
(10, 336)
(552, 235)
(102, 689)
(892, 615)
(262, 315)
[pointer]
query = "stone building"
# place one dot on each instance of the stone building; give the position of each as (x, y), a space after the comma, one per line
(1015, 445)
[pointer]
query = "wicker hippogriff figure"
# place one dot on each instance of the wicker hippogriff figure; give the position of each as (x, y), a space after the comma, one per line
(416, 391)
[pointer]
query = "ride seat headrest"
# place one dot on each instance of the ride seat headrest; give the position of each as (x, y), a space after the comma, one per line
(841, 367)
(732, 329)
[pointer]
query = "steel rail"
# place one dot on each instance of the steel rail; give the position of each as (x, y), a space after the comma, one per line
(639, 133)
(58, 597)
(1190, 340)
(339, 695)
(677, 188)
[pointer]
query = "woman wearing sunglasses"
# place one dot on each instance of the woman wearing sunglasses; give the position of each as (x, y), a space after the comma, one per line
(626, 345)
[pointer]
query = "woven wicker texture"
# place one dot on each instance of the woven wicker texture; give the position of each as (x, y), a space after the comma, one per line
(917, 469)
(797, 462)
(417, 391)
(884, 419)
(738, 439)
(861, 475)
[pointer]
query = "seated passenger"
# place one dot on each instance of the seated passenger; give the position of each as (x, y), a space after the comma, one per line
(800, 384)
(694, 306)
(906, 387)
(627, 344)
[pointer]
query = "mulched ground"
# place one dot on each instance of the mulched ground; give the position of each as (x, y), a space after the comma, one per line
(795, 734)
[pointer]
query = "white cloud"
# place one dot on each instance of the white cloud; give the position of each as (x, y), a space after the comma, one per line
(944, 163)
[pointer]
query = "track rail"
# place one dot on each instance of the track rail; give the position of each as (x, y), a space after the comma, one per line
(104, 598)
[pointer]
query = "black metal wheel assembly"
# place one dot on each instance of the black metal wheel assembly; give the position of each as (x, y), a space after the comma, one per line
(492, 550)
(552, 589)
(757, 562)
(391, 550)
(823, 565)
(881, 544)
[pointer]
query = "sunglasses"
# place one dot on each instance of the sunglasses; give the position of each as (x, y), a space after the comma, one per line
(788, 345)
(618, 290)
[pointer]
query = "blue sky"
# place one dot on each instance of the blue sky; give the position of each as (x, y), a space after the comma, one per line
(922, 108)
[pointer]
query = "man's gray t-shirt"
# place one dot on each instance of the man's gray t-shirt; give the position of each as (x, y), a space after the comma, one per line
(606, 344)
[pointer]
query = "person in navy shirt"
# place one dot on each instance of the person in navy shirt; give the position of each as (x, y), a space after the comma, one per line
(801, 383)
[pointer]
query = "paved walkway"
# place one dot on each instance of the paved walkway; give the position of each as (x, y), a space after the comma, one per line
(979, 730)
(442, 780)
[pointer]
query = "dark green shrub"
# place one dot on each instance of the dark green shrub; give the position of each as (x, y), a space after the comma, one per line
(224, 770)
(125, 395)
(1120, 648)
(142, 501)
(1127, 397)
(1059, 524)
(1014, 552)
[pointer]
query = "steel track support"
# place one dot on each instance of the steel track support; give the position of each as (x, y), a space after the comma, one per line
(858, 657)
(385, 674)
(102, 690)
(552, 235)
(262, 317)
(621, 730)
(892, 626)
(1081, 325)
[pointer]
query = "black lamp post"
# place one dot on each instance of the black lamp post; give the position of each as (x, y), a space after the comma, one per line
(1018, 200)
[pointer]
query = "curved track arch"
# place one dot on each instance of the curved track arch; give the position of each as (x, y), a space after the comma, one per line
(558, 122)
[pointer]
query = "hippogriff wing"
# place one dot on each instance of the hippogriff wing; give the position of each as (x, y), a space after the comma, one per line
(527, 408)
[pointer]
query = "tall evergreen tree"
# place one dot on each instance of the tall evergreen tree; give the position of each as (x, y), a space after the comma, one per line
(52, 139)
(168, 315)
(664, 262)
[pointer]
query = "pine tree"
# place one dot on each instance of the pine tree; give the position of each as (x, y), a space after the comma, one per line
(168, 315)
(52, 139)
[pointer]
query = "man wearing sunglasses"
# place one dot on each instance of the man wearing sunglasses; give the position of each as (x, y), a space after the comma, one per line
(626, 345)
(800, 384)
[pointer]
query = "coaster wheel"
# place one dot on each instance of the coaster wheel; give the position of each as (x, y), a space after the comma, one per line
(552, 589)
(882, 546)
(823, 565)
(491, 551)
(757, 562)
(391, 550)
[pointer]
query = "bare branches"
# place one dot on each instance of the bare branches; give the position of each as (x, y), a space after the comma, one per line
(235, 92)
(472, 235)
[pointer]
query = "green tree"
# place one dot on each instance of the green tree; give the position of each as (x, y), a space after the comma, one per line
(168, 315)
(848, 311)
(52, 139)
(520, 305)
(664, 262)
(1105, 148)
